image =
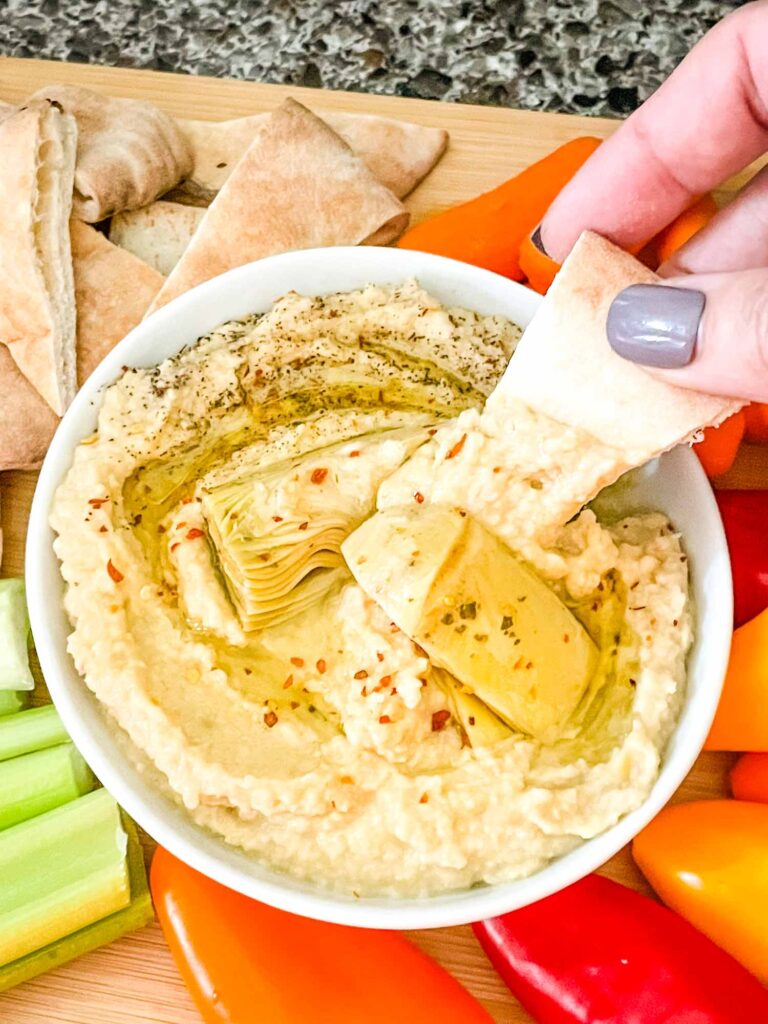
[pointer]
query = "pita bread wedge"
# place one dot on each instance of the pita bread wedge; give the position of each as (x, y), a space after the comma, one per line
(128, 151)
(37, 307)
(400, 154)
(107, 310)
(565, 368)
(158, 234)
(298, 186)
(113, 288)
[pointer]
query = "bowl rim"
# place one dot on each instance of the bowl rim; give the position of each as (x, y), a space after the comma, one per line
(148, 809)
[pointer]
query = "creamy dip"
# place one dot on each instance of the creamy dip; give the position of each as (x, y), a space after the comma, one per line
(215, 619)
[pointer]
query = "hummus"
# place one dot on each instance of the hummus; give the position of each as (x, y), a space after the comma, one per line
(200, 530)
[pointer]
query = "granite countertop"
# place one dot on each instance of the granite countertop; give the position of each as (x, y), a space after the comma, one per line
(586, 56)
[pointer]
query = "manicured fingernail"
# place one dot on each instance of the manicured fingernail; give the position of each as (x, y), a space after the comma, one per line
(655, 325)
(536, 239)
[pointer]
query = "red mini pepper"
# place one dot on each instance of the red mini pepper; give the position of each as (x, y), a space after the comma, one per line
(745, 518)
(599, 953)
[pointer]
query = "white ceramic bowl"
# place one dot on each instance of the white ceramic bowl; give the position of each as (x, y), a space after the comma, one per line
(675, 484)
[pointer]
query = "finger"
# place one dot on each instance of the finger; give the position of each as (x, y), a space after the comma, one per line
(708, 332)
(707, 121)
(735, 239)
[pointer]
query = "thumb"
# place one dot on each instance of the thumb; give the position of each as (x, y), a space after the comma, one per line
(708, 332)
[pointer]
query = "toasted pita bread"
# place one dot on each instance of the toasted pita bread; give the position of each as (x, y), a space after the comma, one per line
(128, 151)
(107, 310)
(565, 368)
(37, 306)
(298, 186)
(400, 154)
(113, 288)
(158, 234)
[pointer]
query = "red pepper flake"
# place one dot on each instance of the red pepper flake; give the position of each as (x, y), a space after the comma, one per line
(174, 546)
(181, 525)
(393, 691)
(186, 501)
(355, 454)
(379, 655)
(457, 447)
(519, 663)
(97, 502)
(424, 798)
(321, 666)
(566, 638)
(298, 662)
(361, 674)
(288, 683)
(384, 719)
(303, 526)
(364, 692)
(318, 476)
(440, 719)
(294, 705)
(394, 628)
(529, 664)
(103, 529)
(418, 497)
(432, 432)
(384, 681)
(497, 469)
(114, 574)
(277, 519)
(347, 780)
(270, 719)
(194, 533)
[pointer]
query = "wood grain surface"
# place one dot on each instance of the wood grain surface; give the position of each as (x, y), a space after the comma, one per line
(134, 981)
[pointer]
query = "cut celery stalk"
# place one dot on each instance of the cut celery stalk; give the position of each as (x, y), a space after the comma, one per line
(12, 701)
(35, 783)
(60, 872)
(14, 635)
(138, 913)
(30, 730)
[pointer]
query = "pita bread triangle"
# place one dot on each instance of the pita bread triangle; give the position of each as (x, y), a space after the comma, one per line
(298, 186)
(565, 368)
(398, 153)
(107, 311)
(37, 308)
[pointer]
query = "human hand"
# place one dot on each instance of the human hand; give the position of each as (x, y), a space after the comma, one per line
(707, 326)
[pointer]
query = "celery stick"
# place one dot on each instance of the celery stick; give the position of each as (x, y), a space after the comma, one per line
(60, 872)
(138, 913)
(12, 701)
(14, 635)
(30, 730)
(35, 783)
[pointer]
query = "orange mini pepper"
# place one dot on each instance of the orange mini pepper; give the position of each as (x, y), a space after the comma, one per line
(708, 860)
(720, 445)
(756, 414)
(487, 231)
(246, 963)
(683, 228)
(749, 778)
(741, 722)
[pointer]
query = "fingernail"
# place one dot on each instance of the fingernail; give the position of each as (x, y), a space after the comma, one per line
(536, 239)
(655, 325)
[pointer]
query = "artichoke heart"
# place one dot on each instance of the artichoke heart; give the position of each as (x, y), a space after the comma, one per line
(477, 611)
(277, 532)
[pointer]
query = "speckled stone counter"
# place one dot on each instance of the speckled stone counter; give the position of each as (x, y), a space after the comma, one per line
(588, 56)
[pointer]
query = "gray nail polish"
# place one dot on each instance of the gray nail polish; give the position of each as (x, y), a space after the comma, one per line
(655, 325)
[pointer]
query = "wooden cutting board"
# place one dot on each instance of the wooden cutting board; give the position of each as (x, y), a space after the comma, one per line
(134, 980)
